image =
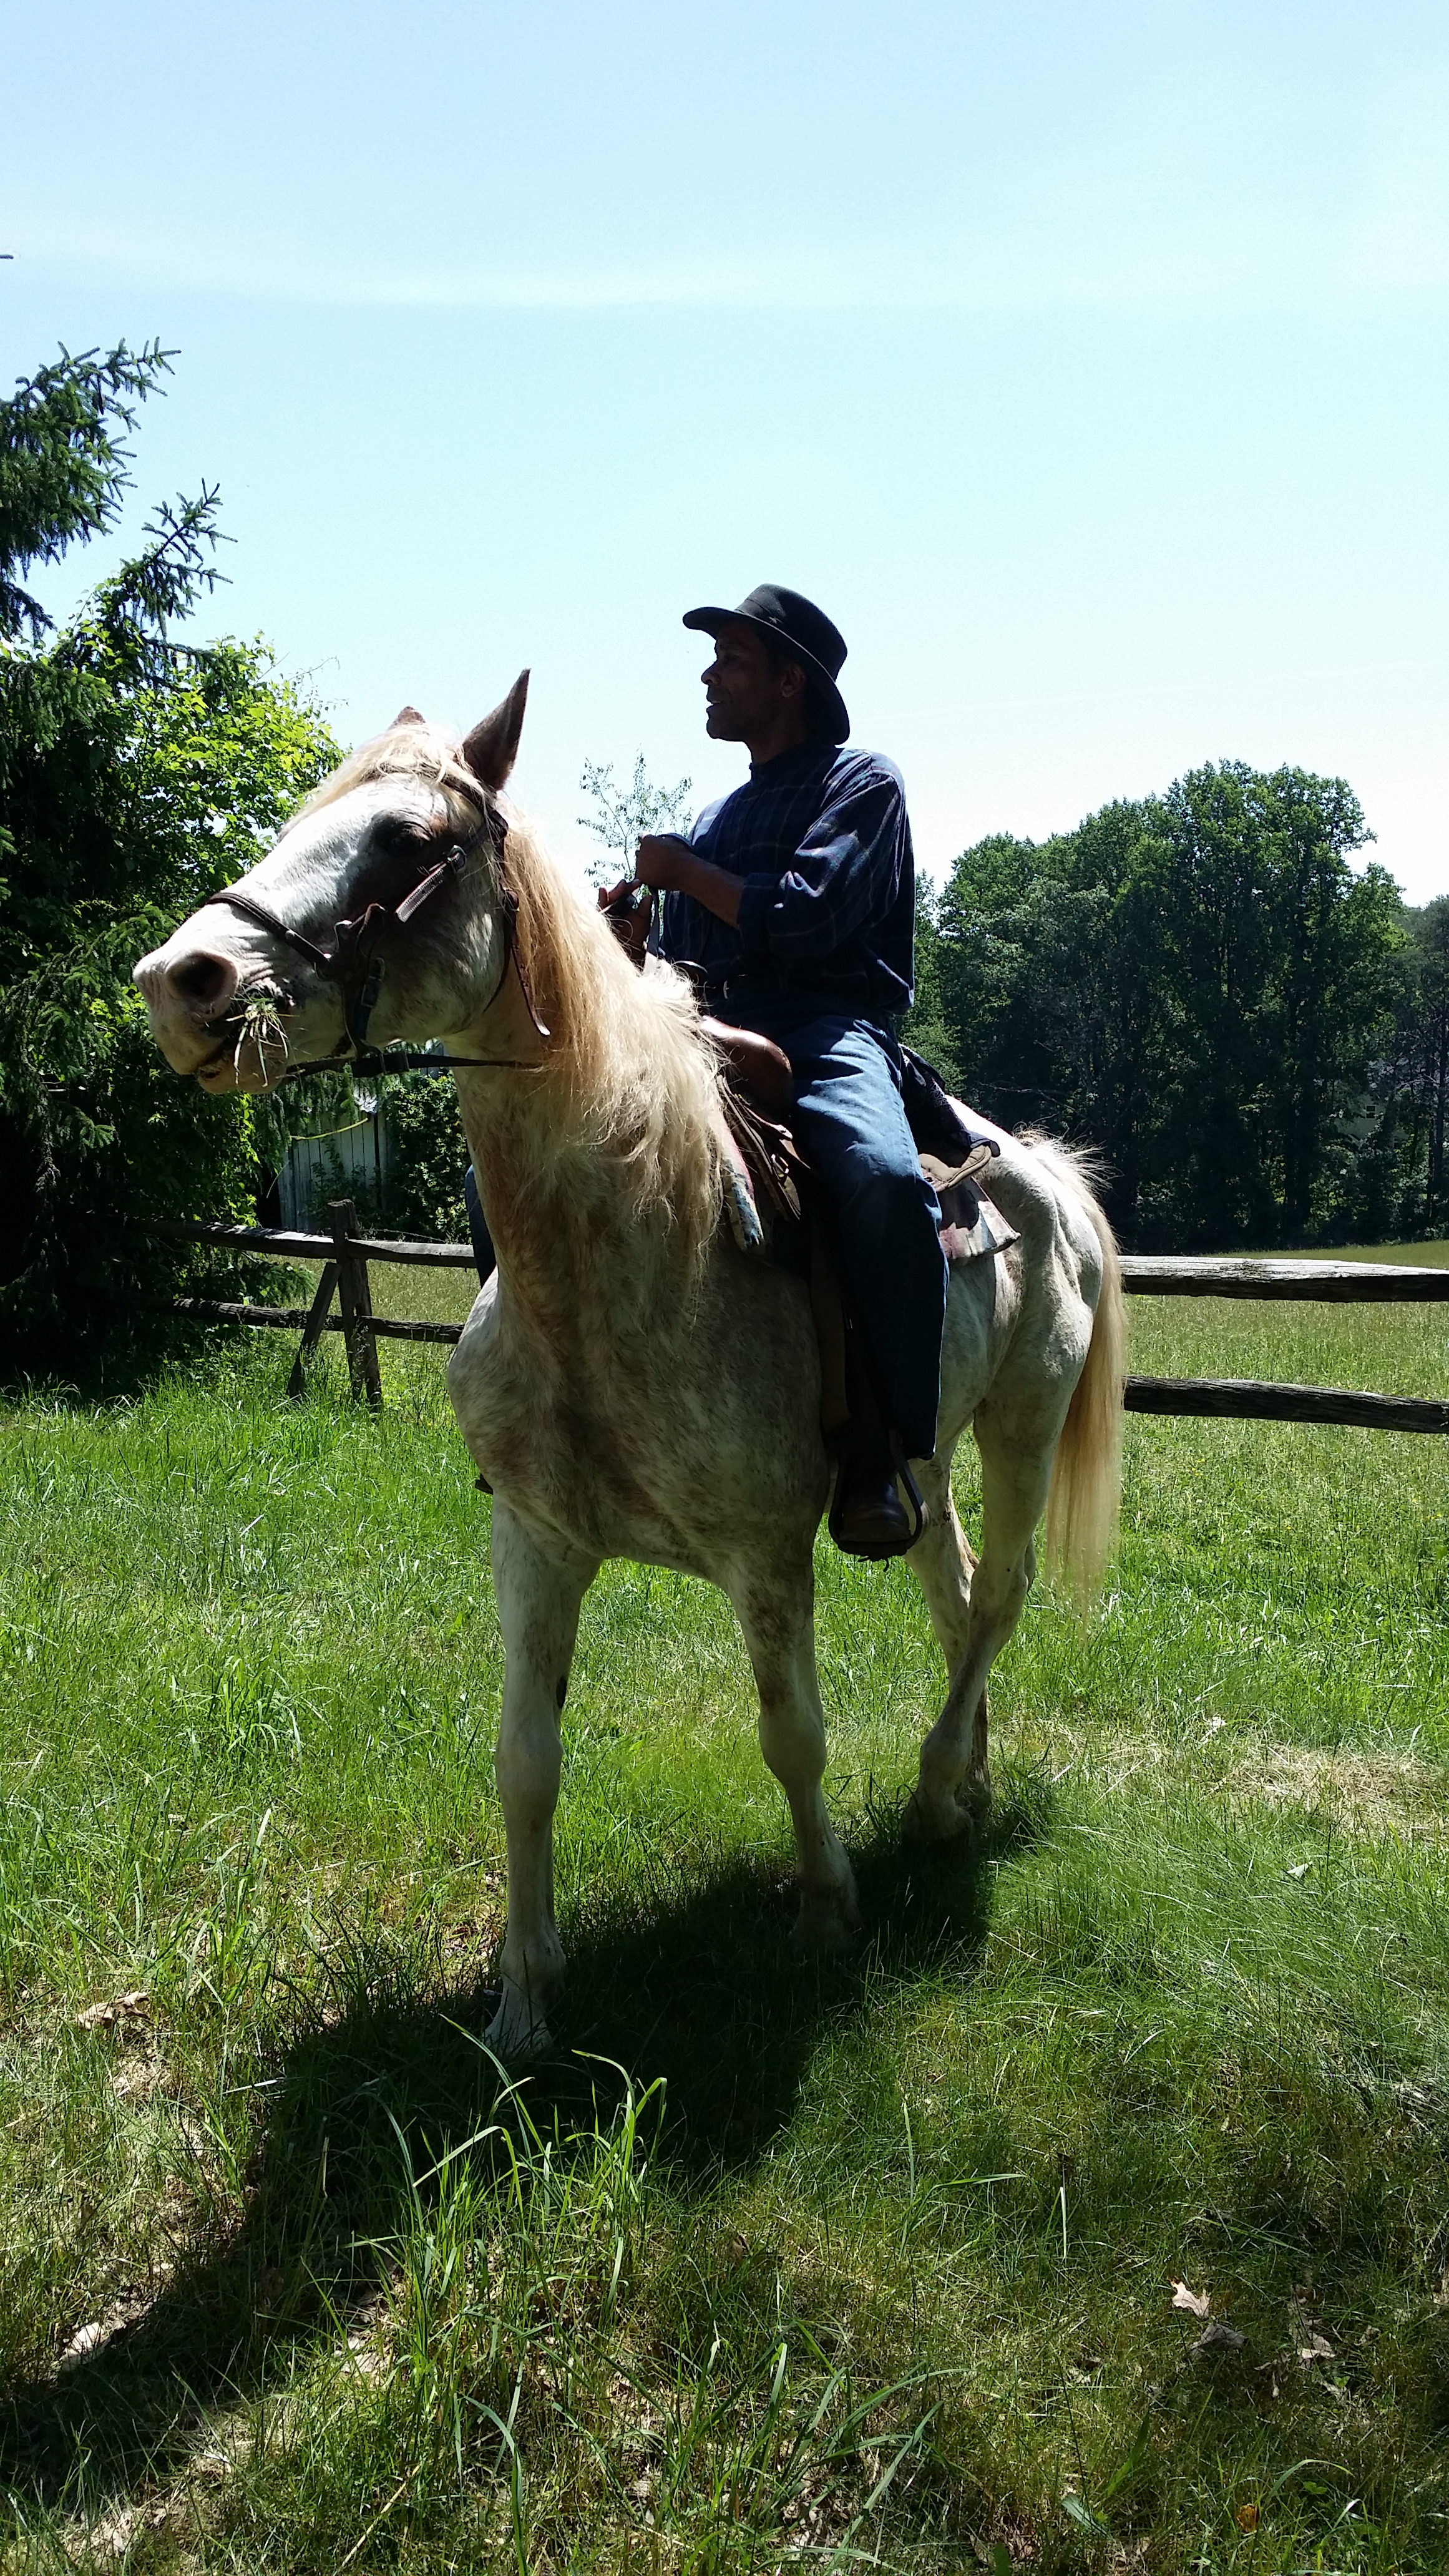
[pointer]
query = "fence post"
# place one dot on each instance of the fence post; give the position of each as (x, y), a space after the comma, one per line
(354, 1295)
(312, 1331)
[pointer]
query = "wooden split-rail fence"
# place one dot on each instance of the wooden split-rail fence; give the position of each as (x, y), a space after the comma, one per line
(347, 1256)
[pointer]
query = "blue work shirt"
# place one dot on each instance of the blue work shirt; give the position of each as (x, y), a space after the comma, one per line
(823, 844)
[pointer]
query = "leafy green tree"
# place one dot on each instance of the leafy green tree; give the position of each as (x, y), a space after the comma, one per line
(137, 772)
(1406, 1155)
(1279, 964)
(423, 1193)
(1197, 985)
(926, 1026)
(1431, 1066)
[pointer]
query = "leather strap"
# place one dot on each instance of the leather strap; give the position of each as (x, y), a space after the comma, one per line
(265, 920)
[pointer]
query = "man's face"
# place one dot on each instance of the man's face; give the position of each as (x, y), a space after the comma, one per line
(745, 688)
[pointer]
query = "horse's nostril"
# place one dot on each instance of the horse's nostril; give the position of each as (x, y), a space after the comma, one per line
(204, 981)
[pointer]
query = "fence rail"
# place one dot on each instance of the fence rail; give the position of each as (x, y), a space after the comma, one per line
(1334, 1283)
(294, 1319)
(1261, 1399)
(345, 1255)
(314, 1247)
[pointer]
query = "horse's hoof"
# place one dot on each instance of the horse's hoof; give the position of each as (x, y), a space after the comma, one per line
(826, 1923)
(518, 2032)
(942, 1816)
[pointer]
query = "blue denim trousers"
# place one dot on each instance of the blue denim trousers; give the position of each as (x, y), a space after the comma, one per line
(850, 1121)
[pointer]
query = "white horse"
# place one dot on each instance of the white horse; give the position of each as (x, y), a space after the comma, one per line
(629, 1382)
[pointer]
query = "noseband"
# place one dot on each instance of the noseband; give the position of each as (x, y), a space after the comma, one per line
(353, 963)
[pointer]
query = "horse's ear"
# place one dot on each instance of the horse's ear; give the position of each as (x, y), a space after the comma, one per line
(491, 749)
(407, 715)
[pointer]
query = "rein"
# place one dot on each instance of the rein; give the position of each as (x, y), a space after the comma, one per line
(355, 966)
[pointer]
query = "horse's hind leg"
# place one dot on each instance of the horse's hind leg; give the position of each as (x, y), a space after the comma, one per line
(538, 1609)
(954, 1778)
(943, 1564)
(777, 1620)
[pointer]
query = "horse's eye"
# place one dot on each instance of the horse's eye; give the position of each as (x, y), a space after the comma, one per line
(401, 836)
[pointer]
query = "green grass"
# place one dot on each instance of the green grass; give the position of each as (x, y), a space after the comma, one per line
(866, 2264)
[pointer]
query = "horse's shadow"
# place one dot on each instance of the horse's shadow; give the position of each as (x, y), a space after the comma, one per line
(695, 1983)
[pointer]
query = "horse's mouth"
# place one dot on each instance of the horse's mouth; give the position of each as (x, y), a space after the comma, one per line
(231, 1065)
(244, 1043)
(221, 1061)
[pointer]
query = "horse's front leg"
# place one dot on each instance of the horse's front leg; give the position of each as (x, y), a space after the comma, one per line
(776, 1614)
(538, 1608)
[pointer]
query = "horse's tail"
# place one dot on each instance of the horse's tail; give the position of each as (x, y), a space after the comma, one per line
(1086, 1486)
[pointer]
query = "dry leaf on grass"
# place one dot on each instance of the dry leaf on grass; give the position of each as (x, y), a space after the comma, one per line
(1306, 2335)
(1246, 2517)
(1196, 2302)
(1215, 2341)
(94, 2336)
(135, 2006)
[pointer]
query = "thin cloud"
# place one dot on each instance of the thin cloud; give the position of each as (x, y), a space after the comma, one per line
(1110, 261)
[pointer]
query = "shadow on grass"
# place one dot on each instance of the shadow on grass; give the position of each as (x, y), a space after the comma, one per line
(694, 1982)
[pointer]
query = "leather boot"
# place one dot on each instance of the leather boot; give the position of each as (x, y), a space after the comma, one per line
(868, 1517)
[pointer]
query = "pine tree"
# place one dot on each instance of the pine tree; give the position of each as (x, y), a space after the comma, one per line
(137, 772)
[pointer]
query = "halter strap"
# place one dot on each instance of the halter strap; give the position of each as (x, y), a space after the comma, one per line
(257, 912)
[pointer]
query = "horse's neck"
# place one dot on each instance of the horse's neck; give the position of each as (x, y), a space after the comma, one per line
(560, 1208)
(530, 1156)
(586, 1223)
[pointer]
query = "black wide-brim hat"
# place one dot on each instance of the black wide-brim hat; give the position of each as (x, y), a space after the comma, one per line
(796, 627)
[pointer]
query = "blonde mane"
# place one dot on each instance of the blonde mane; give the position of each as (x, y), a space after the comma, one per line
(637, 1075)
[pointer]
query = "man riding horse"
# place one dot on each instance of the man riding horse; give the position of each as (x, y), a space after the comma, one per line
(793, 903)
(629, 1387)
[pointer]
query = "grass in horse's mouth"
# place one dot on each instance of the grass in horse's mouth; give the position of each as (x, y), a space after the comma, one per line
(255, 1021)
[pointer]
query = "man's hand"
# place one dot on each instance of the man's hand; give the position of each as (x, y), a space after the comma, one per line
(660, 861)
(673, 866)
(630, 923)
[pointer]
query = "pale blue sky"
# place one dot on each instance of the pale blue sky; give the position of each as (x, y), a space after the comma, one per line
(1088, 364)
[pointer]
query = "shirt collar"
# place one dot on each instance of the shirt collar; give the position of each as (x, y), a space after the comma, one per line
(798, 761)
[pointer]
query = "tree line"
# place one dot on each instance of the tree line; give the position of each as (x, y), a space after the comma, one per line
(1251, 1031)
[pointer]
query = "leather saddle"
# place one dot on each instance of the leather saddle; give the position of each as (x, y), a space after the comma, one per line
(775, 1210)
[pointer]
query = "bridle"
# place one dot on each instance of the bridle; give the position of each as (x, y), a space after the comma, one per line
(353, 962)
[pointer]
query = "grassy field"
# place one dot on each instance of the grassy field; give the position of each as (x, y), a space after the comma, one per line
(873, 2264)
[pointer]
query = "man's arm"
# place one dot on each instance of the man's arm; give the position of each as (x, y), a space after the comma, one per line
(844, 877)
(670, 866)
